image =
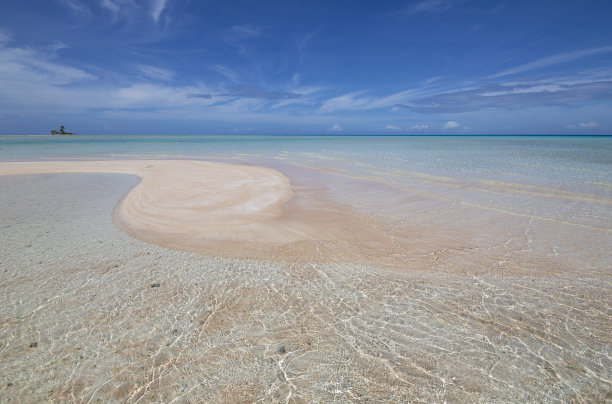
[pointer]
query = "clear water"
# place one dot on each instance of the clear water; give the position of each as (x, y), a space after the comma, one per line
(565, 181)
(570, 161)
(500, 288)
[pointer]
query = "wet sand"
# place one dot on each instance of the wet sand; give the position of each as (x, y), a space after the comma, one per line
(183, 199)
(231, 210)
(210, 207)
(457, 312)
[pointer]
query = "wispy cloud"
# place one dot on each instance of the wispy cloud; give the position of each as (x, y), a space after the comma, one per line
(128, 9)
(358, 101)
(419, 127)
(155, 73)
(303, 43)
(427, 6)
(552, 60)
(34, 65)
(30, 80)
(561, 91)
(255, 92)
(307, 98)
(524, 89)
(112, 6)
(345, 102)
(157, 7)
(227, 72)
(240, 32)
(393, 127)
(76, 6)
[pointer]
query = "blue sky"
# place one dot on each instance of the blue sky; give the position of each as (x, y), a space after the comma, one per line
(306, 67)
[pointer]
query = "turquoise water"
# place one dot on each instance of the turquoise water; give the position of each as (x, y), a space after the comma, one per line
(565, 179)
(581, 162)
(473, 170)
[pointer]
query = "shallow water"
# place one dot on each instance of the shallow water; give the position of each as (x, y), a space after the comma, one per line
(486, 278)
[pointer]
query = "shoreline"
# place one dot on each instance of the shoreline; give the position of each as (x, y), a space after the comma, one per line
(214, 208)
(234, 202)
(287, 213)
(82, 319)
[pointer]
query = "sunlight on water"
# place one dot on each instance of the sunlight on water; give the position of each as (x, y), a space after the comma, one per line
(452, 269)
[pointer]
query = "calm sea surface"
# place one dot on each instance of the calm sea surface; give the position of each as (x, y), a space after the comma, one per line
(583, 162)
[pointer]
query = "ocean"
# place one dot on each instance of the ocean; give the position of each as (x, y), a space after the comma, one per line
(567, 161)
(457, 269)
(547, 179)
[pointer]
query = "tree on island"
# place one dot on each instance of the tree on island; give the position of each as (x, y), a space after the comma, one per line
(62, 131)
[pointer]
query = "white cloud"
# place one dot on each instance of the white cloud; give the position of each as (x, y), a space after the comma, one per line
(32, 79)
(550, 88)
(345, 102)
(76, 6)
(451, 125)
(585, 126)
(419, 127)
(127, 8)
(552, 60)
(155, 73)
(111, 5)
(393, 127)
(354, 101)
(33, 82)
(32, 66)
(227, 72)
(157, 8)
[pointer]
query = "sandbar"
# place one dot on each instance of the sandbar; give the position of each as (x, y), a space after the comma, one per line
(223, 209)
(178, 199)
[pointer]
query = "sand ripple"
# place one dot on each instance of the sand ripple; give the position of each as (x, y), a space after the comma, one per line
(81, 322)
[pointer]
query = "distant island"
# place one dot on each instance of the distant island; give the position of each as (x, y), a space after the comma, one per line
(61, 131)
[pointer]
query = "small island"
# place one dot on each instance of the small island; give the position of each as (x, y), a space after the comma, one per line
(61, 131)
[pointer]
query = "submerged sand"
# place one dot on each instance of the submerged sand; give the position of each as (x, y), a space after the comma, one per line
(495, 307)
(246, 211)
(223, 209)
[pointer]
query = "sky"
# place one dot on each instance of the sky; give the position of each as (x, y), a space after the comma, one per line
(306, 67)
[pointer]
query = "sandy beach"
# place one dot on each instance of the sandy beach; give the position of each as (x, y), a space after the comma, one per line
(297, 312)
